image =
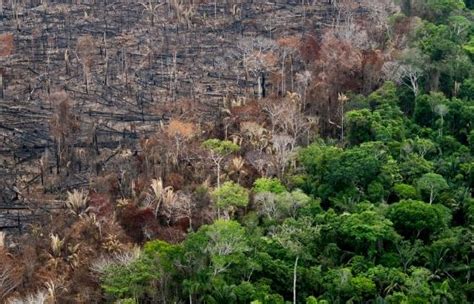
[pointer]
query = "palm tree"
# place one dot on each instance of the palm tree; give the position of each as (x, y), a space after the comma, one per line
(237, 168)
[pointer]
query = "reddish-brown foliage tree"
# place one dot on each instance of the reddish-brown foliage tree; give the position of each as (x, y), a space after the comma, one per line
(6, 44)
(372, 63)
(309, 48)
(251, 111)
(178, 128)
(100, 205)
(134, 220)
(175, 180)
(337, 69)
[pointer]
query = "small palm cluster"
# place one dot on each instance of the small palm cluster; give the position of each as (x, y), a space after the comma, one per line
(77, 201)
(160, 198)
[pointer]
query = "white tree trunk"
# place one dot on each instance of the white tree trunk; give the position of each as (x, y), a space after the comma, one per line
(1, 86)
(294, 280)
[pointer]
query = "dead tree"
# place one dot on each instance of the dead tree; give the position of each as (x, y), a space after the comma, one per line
(85, 50)
(257, 57)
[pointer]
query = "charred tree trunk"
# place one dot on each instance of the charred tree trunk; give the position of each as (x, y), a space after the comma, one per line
(2, 92)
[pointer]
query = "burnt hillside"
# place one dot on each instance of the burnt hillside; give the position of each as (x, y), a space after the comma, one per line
(82, 80)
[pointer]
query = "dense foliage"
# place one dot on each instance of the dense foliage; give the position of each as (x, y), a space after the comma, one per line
(382, 215)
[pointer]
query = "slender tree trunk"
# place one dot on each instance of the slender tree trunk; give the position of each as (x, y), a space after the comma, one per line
(42, 174)
(15, 14)
(414, 85)
(304, 10)
(58, 155)
(442, 125)
(283, 74)
(342, 123)
(215, 11)
(218, 175)
(294, 280)
(2, 94)
(259, 84)
(218, 165)
(106, 68)
(291, 74)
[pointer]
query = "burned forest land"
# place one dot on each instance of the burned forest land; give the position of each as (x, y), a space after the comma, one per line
(83, 83)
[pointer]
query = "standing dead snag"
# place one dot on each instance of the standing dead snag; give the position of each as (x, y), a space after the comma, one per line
(106, 66)
(63, 126)
(283, 150)
(303, 80)
(125, 40)
(2, 88)
(257, 57)
(16, 7)
(150, 7)
(342, 101)
(181, 132)
(67, 62)
(184, 12)
(85, 50)
(288, 47)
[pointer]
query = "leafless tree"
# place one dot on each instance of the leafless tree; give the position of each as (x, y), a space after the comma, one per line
(16, 6)
(402, 73)
(2, 92)
(184, 206)
(64, 124)
(288, 48)
(378, 17)
(286, 117)
(303, 80)
(184, 11)
(257, 57)
(85, 50)
(283, 151)
(342, 102)
(255, 134)
(150, 7)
